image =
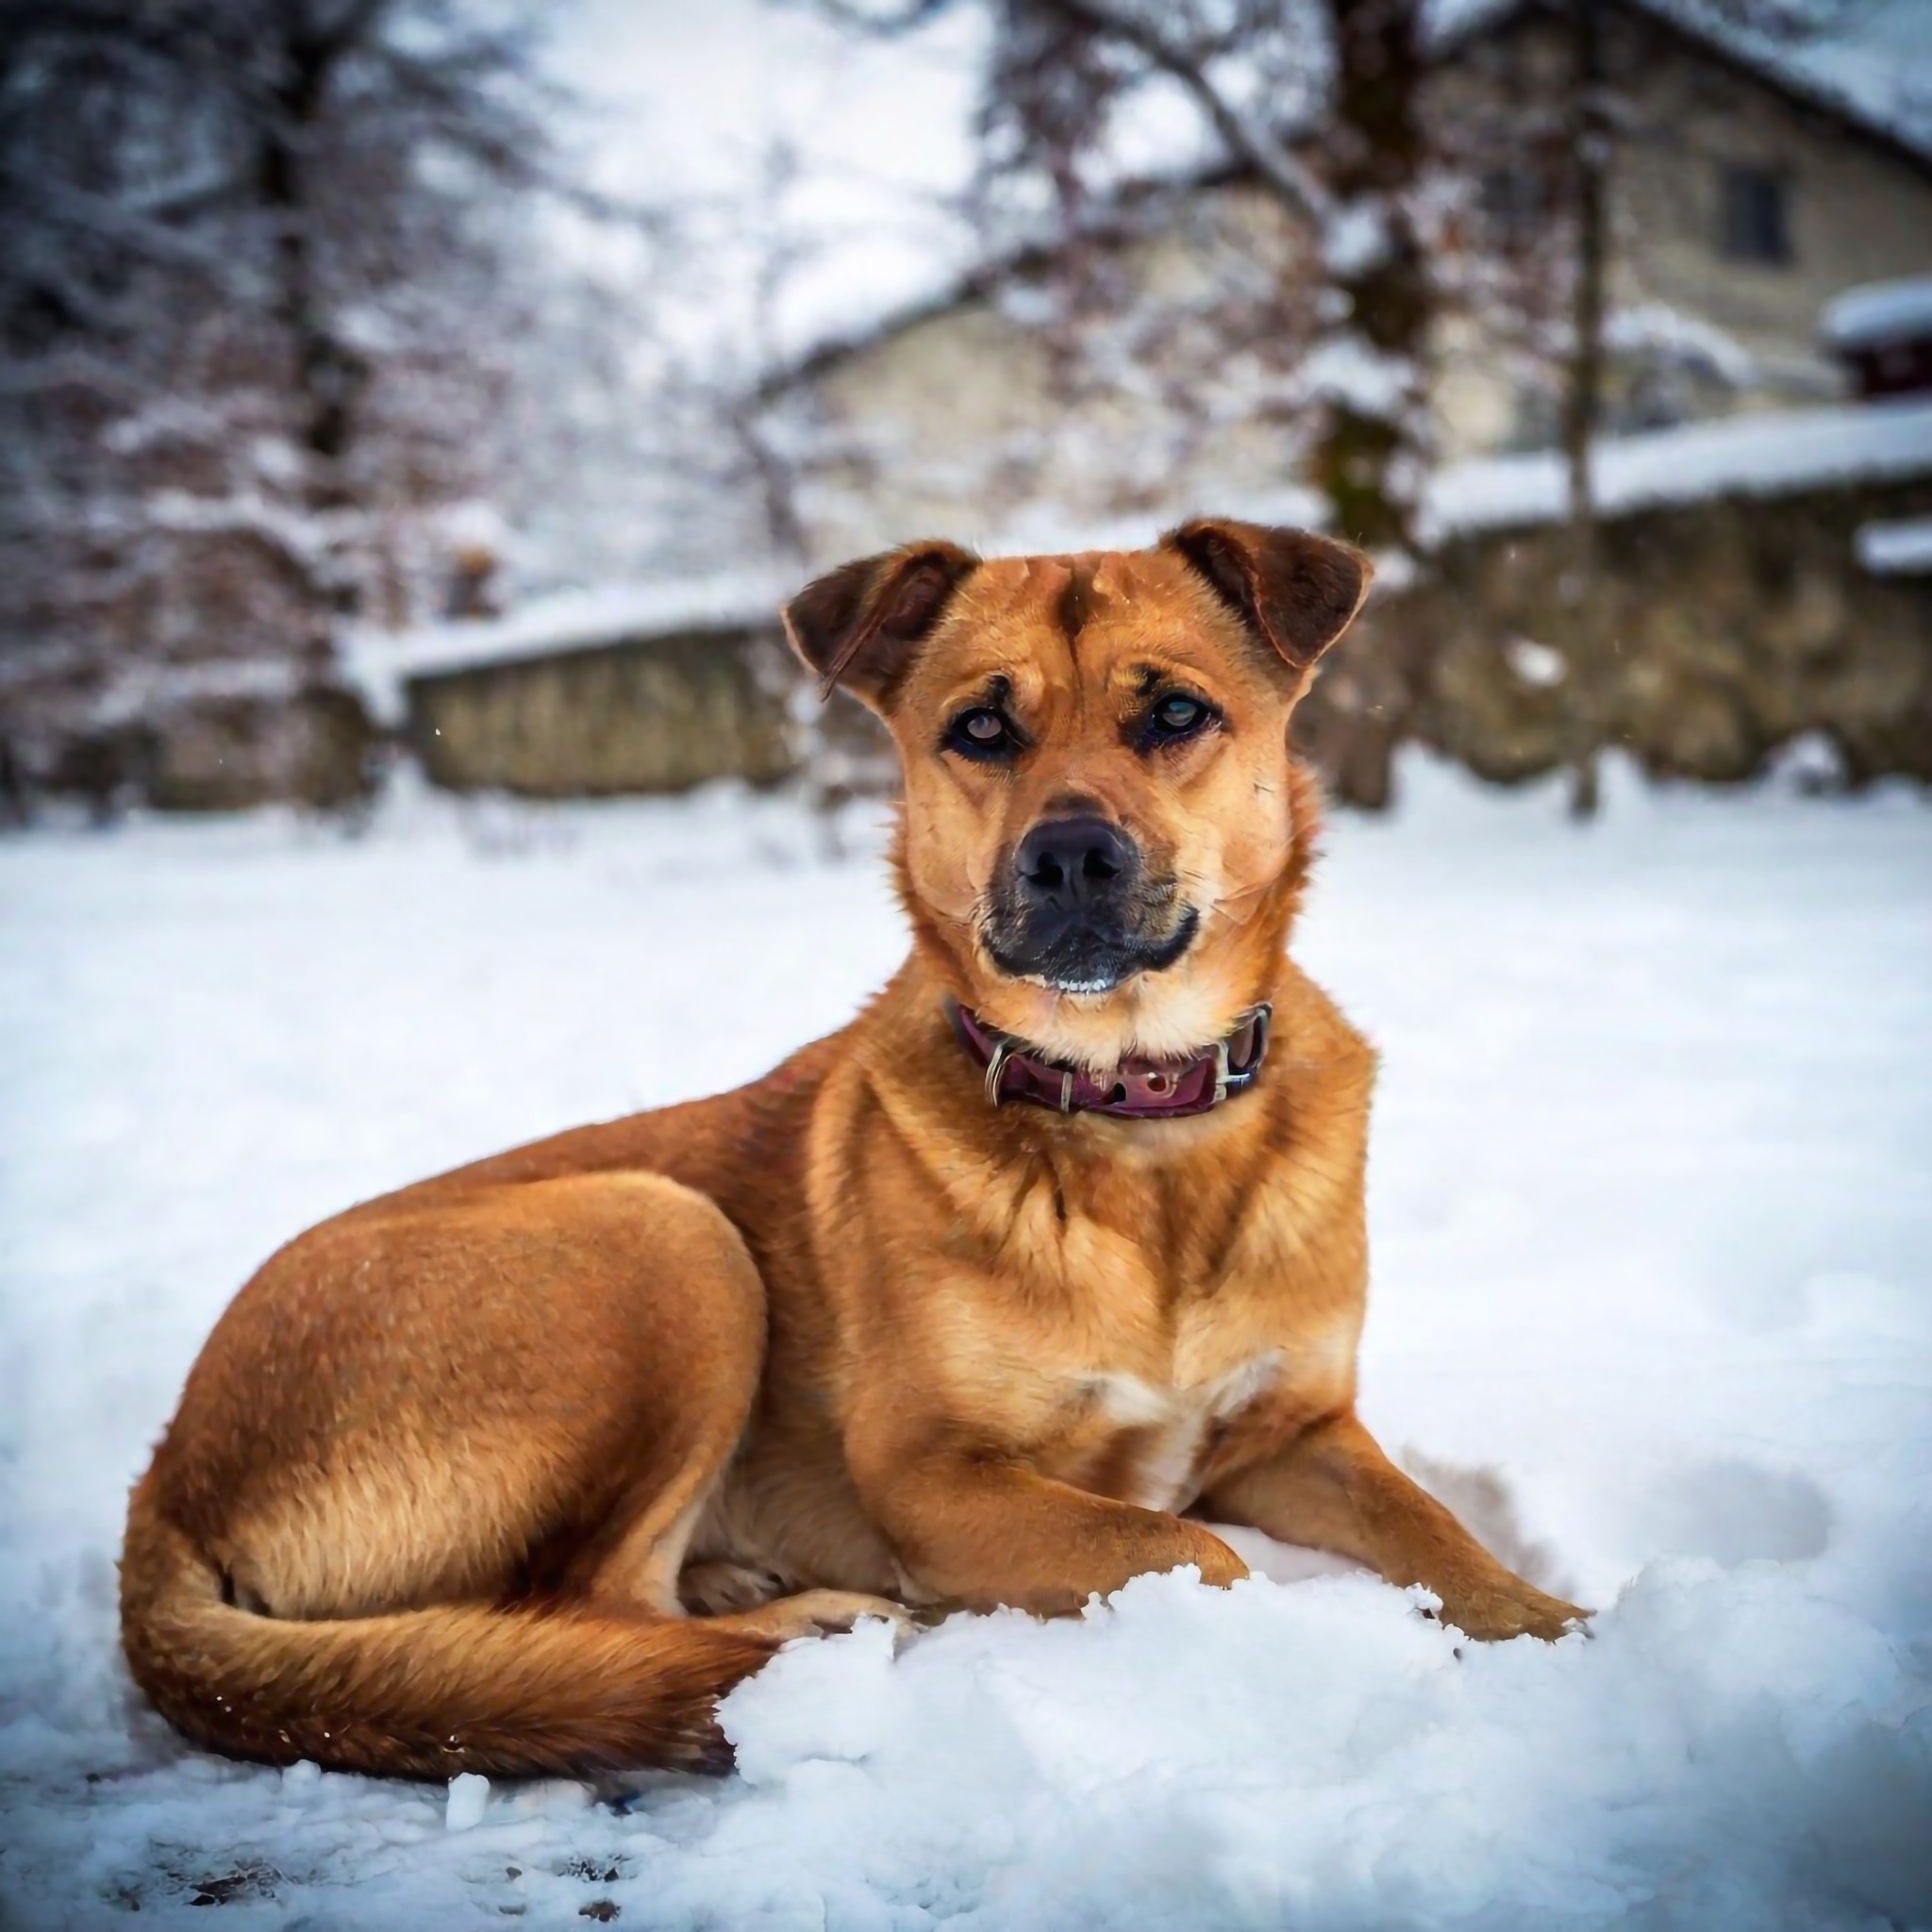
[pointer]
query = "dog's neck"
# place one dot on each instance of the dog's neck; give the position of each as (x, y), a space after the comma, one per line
(1136, 1090)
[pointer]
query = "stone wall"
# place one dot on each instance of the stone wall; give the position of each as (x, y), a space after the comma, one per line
(660, 714)
(199, 751)
(1728, 628)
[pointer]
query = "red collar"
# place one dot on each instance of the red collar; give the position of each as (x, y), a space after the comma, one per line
(1138, 1090)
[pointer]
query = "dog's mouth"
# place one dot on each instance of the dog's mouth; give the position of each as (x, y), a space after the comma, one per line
(1082, 953)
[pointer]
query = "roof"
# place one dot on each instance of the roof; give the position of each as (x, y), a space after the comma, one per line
(1865, 97)
(1132, 210)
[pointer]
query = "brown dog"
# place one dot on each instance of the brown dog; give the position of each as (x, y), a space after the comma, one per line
(967, 1304)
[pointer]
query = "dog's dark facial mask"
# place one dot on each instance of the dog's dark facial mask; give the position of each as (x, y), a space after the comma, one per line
(1076, 907)
(1098, 783)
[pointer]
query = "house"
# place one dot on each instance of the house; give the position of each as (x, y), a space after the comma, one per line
(1744, 197)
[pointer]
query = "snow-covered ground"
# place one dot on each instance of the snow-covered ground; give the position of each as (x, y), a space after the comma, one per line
(1651, 1192)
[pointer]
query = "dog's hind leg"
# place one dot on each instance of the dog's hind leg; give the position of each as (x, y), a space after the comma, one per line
(419, 1412)
(528, 1388)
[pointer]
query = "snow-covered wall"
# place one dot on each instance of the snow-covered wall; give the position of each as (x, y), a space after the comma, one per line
(1743, 457)
(1722, 628)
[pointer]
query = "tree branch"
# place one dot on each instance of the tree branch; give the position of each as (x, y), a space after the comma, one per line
(1245, 137)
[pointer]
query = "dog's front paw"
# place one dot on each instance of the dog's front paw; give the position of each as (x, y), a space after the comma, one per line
(819, 1612)
(1494, 1613)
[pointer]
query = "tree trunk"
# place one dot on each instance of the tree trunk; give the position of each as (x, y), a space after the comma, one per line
(1377, 159)
(1587, 648)
(1372, 455)
(329, 376)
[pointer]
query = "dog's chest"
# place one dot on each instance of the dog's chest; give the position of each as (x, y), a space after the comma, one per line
(1149, 1442)
(1147, 1372)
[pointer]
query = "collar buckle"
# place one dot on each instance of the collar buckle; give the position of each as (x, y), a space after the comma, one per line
(997, 1067)
(1234, 1080)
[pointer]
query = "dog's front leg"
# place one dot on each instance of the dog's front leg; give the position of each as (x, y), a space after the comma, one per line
(980, 1530)
(1333, 1489)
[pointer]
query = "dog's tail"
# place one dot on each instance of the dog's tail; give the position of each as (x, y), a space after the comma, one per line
(428, 1693)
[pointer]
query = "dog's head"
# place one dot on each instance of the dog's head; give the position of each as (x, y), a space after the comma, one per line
(1100, 847)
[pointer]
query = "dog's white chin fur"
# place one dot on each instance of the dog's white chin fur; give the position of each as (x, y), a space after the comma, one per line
(1164, 1015)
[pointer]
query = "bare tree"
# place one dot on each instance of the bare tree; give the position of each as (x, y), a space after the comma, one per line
(1590, 150)
(253, 325)
(1345, 169)
(1318, 104)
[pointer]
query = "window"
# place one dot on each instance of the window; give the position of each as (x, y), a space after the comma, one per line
(1513, 207)
(1752, 212)
(1535, 420)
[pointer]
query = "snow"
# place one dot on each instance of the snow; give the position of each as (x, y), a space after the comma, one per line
(1349, 370)
(1766, 454)
(692, 106)
(378, 662)
(1535, 664)
(1866, 62)
(1656, 330)
(141, 691)
(468, 1803)
(1357, 238)
(1653, 1306)
(1876, 313)
(1899, 549)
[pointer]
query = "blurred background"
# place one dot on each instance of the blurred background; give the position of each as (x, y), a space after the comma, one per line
(412, 414)
(463, 383)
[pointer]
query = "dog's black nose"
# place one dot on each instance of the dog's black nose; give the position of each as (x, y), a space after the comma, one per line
(1069, 863)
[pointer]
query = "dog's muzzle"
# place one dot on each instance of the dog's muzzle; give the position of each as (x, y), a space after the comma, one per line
(1076, 909)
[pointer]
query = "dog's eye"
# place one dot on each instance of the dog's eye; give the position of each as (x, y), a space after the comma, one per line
(982, 733)
(1177, 716)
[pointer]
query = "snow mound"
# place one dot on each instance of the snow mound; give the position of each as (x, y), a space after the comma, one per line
(1324, 1754)
(1898, 549)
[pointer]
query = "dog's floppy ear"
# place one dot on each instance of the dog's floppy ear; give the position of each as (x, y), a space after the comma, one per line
(1295, 589)
(857, 626)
